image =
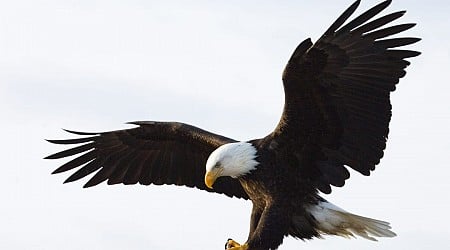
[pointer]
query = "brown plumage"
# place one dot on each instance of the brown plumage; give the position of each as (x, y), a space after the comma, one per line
(336, 115)
(153, 153)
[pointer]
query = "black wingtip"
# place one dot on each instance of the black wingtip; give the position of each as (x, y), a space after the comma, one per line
(88, 185)
(373, 25)
(342, 18)
(56, 171)
(133, 123)
(68, 180)
(387, 2)
(140, 123)
(384, 4)
(364, 17)
(92, 182)
(410, 25)
(51, 157)
(73, 141)
(79, 133)
(74, 177)
(72, 151)
(397, 42)
(386, 32)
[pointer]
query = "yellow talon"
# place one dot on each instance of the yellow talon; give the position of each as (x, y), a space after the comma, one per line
(233, 245)
(241, 247)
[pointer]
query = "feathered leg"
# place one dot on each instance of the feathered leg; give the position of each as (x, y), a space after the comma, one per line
(254, 220)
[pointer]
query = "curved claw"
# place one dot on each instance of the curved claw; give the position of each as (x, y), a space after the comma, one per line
(233, 245)
(241, 247)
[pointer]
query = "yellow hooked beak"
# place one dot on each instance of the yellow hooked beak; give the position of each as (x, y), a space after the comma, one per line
(211, 176)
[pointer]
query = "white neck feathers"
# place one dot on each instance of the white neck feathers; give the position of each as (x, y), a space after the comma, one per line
(236, 159)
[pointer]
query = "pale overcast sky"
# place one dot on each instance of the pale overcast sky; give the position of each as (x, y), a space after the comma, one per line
(94, 65)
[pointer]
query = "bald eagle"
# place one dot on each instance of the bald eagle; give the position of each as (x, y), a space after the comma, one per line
(336, 116)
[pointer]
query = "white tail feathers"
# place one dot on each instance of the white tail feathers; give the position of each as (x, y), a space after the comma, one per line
(336, 221)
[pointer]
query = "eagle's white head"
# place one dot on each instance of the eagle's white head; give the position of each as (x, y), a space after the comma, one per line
(232, 159)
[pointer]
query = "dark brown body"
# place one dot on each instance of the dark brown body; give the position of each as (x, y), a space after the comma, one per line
(278, 193)
(336, 116)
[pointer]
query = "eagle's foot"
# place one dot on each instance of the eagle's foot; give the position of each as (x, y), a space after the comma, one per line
(241, 247)
(233, 245)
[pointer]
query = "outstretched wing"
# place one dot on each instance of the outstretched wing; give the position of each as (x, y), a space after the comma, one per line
(152, 153)
(337, 108)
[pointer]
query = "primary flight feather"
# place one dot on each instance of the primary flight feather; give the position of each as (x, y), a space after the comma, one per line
(336, 115)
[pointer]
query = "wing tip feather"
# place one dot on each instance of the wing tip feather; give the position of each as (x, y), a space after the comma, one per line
(89, 184)
(342, 18)
(79, 133)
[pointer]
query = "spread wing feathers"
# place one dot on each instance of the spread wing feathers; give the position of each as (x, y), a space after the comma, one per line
(337, 95)
(152, 153)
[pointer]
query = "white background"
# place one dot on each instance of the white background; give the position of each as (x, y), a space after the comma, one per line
(94, 65)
